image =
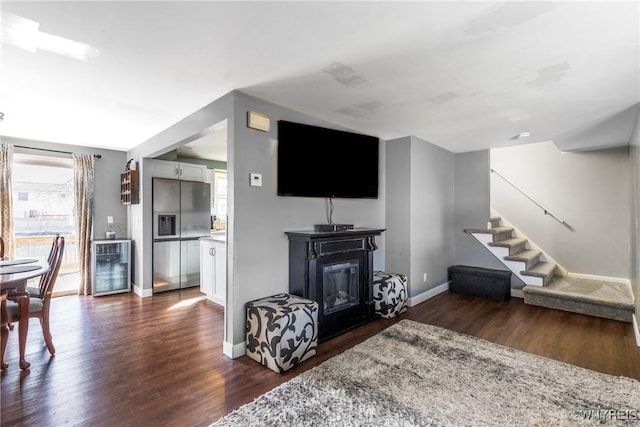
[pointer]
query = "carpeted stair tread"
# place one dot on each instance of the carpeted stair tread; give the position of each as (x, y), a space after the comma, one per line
(502, 233)
(571, 288)
(541, 269)
(509, 243)
(610, 300)
(494, 230)
(529, 256)
(524, 256)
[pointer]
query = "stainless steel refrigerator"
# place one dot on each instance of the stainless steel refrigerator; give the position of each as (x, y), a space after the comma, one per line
(181, 215)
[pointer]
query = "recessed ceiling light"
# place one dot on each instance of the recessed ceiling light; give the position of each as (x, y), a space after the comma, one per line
(524, 135)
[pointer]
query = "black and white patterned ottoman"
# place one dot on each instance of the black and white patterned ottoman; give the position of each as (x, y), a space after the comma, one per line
(282, 331)
(389, 293)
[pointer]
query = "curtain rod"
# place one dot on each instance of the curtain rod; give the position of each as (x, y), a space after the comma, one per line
(97, 156)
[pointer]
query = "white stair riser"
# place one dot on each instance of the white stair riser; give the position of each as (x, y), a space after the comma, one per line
(499, 251)
(485, 239)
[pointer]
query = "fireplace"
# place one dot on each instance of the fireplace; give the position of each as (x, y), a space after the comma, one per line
(335, 269)
(340, 286)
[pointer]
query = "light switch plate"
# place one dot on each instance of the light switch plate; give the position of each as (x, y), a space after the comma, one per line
(109, 219)
(255, 180)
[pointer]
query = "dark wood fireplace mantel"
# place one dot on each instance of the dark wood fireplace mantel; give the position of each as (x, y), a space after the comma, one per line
(335, 269)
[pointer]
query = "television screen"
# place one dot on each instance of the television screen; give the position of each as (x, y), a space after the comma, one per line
(320, 162)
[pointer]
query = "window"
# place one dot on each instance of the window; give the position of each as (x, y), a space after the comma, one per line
(43, 195)
(219, 199)
(43, 206)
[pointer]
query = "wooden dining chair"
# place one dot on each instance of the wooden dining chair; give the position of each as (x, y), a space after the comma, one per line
(39, 305)
(39, 292)
(4, 329)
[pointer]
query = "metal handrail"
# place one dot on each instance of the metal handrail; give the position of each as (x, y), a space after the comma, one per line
(540, 205)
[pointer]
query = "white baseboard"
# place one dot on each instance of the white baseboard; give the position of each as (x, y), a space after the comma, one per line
(517, 293)
(413, 301)
(234, 350)
(143, 293)
(636, 329)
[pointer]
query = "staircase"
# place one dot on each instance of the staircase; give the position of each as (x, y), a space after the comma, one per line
(547, 284)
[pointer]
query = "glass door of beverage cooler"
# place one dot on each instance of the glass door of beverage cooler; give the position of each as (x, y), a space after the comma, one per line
(111, 266)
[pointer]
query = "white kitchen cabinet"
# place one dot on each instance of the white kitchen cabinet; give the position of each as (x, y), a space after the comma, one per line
(178, 170)
(191, 172)
(213, 269)
(207, 267)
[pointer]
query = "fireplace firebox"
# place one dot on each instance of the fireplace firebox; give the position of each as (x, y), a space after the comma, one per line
(335, 269)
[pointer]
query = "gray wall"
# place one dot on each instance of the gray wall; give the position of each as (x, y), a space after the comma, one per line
(432, 213)
(635, 214)
(257, 247)
(420, 212)
(107, 178)
(398, 206)
(589, 190)
(472, 209)
(258, 217)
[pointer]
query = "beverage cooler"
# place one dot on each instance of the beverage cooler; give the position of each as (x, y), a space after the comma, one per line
(110, 266)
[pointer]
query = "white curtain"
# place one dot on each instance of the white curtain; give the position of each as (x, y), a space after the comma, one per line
(6, 200)
(83, 170)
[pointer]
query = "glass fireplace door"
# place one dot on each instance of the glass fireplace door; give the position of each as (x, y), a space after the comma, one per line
(340, 286)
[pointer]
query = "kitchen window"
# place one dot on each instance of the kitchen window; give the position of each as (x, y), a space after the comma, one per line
(220, 199)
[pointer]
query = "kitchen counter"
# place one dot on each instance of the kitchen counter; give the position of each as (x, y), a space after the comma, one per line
(216, 237)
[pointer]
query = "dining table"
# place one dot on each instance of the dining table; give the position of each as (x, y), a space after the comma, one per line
(14, 274)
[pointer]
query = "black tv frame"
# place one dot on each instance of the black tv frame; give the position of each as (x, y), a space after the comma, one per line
(315, 161)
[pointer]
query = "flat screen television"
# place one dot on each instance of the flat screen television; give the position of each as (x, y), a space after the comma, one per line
(320, 162)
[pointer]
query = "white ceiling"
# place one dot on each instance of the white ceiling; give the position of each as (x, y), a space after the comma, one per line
(212, 145)
(462, 75)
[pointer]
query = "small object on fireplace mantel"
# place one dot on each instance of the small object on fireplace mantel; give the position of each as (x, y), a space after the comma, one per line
(332, 227)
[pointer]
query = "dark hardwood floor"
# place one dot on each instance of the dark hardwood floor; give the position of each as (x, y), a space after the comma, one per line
(126, 361)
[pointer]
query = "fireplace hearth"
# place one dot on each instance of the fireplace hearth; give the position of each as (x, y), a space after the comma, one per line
(335, 269)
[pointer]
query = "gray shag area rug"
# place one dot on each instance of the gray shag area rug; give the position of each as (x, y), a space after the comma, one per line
(412, 374)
